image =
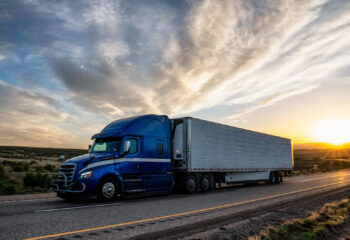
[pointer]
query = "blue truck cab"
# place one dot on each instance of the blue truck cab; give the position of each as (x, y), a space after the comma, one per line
(129, 155)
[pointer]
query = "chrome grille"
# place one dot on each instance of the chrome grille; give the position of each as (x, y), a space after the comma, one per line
(67, 169)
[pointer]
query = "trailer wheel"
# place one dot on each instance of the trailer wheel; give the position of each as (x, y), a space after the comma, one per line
(272, 178)
(191, 184)
(277, 178)
(107, 189)
(205, 183)
(212, 181)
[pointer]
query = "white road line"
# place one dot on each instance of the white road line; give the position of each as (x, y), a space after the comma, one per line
(72, 208)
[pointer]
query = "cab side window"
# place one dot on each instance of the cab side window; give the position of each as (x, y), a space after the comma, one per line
(133, 145)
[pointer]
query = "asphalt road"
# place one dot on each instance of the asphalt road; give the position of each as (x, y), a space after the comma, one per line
(56, 219)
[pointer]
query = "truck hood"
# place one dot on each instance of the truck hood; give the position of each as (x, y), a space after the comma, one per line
(91, 157)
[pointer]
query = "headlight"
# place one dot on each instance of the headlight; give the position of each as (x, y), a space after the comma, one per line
(86, 174)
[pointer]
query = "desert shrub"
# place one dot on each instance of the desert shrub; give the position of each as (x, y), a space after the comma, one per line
(10, 190)
(2, 172)
(34, 180)
(6, 162)
(2, 186)
(17, 168)
(39, 169)
(33, 162)
(8, 187)
(50, 167)
(26, 167)
(29, 180)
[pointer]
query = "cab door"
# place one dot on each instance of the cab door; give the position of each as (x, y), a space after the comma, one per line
(129, 167)
(157, 176)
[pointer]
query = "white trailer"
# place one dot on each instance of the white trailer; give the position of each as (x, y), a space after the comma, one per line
(207, 153)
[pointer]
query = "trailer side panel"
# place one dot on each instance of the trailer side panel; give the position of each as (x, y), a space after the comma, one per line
(214, 147)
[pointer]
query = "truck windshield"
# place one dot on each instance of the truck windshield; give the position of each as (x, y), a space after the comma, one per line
(105, 145)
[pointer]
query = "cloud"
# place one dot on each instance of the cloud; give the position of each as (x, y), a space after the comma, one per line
(289, 50)
(119, 58)
(259, 102)
(102, 12)
(29, 118)
(6, 49)
(157, 68)
(112, 50)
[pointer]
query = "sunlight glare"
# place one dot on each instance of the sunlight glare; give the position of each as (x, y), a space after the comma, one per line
(334, 131)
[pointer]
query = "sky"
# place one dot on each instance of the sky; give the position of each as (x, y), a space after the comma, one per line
(68, 68)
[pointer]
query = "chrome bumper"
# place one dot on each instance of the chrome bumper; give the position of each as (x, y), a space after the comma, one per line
(63, 185)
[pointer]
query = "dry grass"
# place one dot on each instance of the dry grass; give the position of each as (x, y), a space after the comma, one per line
(317, 225)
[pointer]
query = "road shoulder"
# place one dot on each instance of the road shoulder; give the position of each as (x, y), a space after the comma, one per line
(22, 197)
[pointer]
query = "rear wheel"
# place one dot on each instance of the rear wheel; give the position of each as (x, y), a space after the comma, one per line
(107, 189)
(272, 178)
(191, 184)
(279, 177)
(205, 183)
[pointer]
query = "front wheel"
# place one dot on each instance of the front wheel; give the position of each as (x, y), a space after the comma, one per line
(107, 189)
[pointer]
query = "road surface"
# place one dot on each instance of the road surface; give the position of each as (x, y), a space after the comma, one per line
(56, 219)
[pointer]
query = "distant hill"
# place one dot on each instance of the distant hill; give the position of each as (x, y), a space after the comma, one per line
(32, 152)
(320, 146)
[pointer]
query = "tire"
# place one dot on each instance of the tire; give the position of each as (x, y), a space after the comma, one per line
(272, 178)
(280, 177)
(212, 182)
(107, 189)
(191, 185)
(277, 179)
(205, 183)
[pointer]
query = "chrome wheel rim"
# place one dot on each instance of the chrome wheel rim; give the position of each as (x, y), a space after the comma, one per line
(108, 190)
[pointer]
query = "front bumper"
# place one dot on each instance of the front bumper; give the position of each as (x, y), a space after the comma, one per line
(60, 183)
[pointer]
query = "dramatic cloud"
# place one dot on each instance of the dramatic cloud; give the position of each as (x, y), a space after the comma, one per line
(27, 118)
(111, 59)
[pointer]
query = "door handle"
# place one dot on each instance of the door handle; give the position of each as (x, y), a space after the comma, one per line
(137, 166)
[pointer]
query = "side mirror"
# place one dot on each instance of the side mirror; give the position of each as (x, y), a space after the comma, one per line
(126, 147)
(89, 147)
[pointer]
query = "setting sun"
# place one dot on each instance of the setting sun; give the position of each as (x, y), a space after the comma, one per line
(335, 131)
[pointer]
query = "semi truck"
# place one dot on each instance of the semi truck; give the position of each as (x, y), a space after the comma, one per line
(153, 153)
